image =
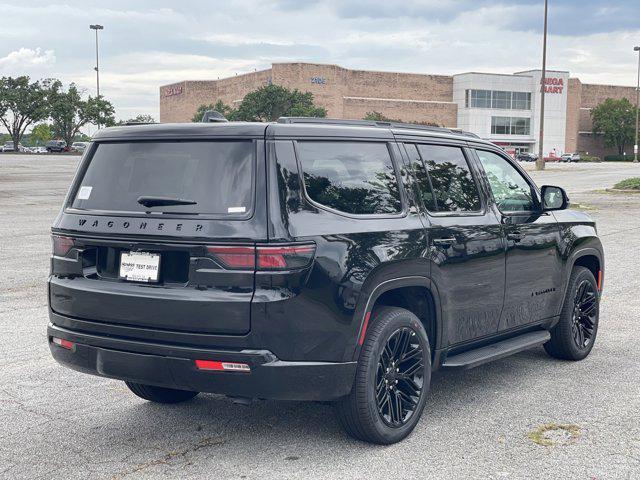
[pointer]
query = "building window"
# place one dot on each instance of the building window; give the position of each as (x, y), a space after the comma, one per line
(497, 99)
(510, 126)
(521, 101)
(480, 98)
(500, 99)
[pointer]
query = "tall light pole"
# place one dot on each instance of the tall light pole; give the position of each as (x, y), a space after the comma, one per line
(97, 27)
(540, 160)
(635, 145)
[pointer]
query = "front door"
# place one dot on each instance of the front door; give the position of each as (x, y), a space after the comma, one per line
(533, 262)
(465, 239)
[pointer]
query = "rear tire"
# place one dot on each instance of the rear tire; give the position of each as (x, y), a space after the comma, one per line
(384, 407)
(160, 394)
(575, 333)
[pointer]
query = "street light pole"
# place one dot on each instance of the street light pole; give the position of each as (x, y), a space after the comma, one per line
(635, 145)
(540, 161)
(97, 27)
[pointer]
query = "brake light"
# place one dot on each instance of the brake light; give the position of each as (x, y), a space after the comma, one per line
(285, 257)
(63, 343)
(61, 245)
(281, 257)
(222, 366)
(235, 257)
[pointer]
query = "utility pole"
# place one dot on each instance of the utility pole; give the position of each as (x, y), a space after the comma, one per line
(540, 161)
(635, 145)
(97, 27)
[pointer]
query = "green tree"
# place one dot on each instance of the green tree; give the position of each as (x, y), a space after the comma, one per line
(142, 118)
(41, 134)
(219, 106)
(271, 102)
(22, 103)
(70, 112)
(379, 117)
(615, 120)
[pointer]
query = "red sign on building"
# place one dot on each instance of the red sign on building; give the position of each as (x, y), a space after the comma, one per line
(553, 85)
(173, 90)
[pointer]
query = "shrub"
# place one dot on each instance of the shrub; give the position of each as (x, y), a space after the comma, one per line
(618, 158)
(589, 158)
(632, 183)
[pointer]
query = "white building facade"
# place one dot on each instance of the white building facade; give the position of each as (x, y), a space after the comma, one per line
(505, 109)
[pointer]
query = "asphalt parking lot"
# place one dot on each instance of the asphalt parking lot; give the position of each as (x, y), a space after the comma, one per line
(477, 424)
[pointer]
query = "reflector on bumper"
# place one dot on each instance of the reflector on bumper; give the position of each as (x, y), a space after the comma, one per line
(222, 366)
(63, 343)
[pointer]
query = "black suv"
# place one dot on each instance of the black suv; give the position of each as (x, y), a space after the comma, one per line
(311, 259)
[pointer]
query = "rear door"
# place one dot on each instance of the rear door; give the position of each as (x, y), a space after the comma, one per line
(195, 233)
(533, 260)
(465, 239)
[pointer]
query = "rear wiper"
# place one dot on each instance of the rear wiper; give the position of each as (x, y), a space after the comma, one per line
(150, 201)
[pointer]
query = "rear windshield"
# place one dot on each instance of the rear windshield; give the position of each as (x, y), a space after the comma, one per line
(217, 176)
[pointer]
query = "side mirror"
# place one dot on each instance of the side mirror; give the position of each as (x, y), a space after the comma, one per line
(554, 198)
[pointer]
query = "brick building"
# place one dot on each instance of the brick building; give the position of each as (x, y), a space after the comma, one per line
(499, 107)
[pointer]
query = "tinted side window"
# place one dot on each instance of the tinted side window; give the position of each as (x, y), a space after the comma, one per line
(453, 184)
(420, 172)
(352, 177)
(510, 189)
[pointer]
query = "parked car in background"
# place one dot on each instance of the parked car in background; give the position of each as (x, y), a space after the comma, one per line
(56, 146)
(79, 146)
(526, 157)
(39, 150)
(570, 157)
(8, 147)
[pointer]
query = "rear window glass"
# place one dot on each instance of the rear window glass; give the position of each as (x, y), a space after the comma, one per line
(217, 176)
(352, 177)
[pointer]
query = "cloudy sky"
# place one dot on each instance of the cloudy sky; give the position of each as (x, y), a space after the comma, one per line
(149, 43)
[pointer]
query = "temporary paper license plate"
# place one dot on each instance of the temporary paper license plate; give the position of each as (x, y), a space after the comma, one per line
(139, 266)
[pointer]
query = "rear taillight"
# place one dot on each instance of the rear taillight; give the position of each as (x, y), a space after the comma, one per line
(61, 245)
(237, 258)
(286, 257)
(262, 257)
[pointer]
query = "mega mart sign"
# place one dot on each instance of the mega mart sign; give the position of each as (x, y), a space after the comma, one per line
(553, 85)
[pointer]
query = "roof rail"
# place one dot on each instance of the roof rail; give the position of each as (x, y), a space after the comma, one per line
(130, 124)
(376, 123)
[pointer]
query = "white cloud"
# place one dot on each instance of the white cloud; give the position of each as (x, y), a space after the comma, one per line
(25, 59)
(149, 43)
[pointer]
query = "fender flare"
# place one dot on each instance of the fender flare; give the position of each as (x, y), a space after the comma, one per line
(362, 314)
(575, 255)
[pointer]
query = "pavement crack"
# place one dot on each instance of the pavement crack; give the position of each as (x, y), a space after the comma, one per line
(174, 456)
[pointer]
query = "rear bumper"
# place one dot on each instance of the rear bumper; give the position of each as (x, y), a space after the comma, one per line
(174, 367)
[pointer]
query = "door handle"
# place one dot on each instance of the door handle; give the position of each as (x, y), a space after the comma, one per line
(444, 242)
(515, 236)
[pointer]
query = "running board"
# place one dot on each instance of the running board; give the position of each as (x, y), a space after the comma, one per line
(473, 358)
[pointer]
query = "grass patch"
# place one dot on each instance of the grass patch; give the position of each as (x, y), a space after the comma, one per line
(632, 183)
(551, 434)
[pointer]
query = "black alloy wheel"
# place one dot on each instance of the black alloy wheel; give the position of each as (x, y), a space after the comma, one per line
(584, 314)
(392, 379)
(399, 378)
(573, 337)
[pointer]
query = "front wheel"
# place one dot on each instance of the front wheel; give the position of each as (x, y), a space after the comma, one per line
(392, 379)
(160, 394)
(574, 335)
